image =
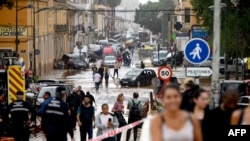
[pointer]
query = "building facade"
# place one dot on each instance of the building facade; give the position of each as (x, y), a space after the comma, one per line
(8, 31)
(50, 27)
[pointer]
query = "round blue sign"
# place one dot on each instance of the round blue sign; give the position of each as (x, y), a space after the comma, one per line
(196, 51)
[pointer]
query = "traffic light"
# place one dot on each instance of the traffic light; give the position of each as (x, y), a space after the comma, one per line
(178, 26)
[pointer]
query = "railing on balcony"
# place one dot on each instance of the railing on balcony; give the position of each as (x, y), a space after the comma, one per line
(61, 27)
(80, 27)
(63, 1)
(72, 30)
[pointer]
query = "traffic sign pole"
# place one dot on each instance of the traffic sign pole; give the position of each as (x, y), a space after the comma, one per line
(215, 85)
(165, 74)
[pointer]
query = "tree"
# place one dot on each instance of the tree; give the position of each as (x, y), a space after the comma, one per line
(8, 3)
(148, 19)
(234, 27)
(113, 3)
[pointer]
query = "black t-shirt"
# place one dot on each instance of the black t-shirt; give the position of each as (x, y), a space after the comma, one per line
(216, 123)
(86, 115)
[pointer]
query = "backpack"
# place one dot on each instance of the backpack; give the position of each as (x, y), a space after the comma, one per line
(135, 111)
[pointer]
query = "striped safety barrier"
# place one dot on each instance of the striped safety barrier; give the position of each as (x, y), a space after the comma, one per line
(117, 131)
(15, 82)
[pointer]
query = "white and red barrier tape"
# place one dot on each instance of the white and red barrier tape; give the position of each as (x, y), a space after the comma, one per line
(117, 131)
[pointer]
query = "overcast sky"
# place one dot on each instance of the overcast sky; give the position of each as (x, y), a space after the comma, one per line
(145, 1)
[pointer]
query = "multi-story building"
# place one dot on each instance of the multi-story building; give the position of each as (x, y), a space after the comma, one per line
(100, 19)
(8, 30)
(51, 27)
(185, 16)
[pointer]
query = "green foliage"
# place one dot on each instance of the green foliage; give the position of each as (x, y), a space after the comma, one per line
(8, 3)
(36, 78)
(113, 3)
(234, 25)
(149, 19)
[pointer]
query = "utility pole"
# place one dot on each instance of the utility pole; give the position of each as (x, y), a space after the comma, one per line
(17, 41)
(216, 52)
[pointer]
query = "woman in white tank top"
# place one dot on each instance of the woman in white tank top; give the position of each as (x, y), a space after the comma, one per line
(174, 124)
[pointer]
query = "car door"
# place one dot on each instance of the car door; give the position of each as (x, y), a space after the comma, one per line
(143, 77)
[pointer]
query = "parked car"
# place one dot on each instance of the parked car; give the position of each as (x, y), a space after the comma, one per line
(175, 56)
(137, 77)
(241, 86)
(78, 62)
(243, 101)
(52, 90)
(110, 61)
(162, 55)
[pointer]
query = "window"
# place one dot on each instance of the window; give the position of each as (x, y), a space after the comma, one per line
(187, 15)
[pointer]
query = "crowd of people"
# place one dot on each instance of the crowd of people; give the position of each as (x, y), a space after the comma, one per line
(60, 115)
(187, 116)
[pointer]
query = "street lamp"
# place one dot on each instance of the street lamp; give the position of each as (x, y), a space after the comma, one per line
(236, 4)
(29, 6)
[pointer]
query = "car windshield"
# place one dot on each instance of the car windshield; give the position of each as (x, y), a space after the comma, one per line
(110, 58)
(52, 90)
(133, 72)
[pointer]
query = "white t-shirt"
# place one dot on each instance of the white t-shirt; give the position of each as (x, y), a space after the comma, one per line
(104, 121)
(97, 77)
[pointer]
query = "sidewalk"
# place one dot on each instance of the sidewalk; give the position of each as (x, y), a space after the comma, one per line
(54, 74)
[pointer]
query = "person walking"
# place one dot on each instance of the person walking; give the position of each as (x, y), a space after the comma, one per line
(106, 77)
(118, 110)
(92, 99)
(86, 118)
(201, 108)
(74, 100)
(116, 69)
(79, 89)
(106, 122)
(189, 88)
(220, 117)
(94, 69)
(241, 116)
(3, 107)
(142, 65)
(19, 111)
(47, 98)
(101, 72)
(174, 124)
(135, 108)
(56, 121)
(97, 80)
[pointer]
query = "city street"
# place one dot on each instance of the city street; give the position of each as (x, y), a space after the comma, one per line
(187, 60)
(85, 79)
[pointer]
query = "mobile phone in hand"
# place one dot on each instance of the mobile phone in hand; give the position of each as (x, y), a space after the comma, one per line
(110, 120)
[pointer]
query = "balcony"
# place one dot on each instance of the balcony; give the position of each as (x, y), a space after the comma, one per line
(61, 1)
(80, 28)
(61, 27)
(72, 30)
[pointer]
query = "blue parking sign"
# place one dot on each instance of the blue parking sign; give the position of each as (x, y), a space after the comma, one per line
(196, 51)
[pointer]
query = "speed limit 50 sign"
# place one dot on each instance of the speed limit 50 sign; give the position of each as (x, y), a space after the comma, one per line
(165, 73)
